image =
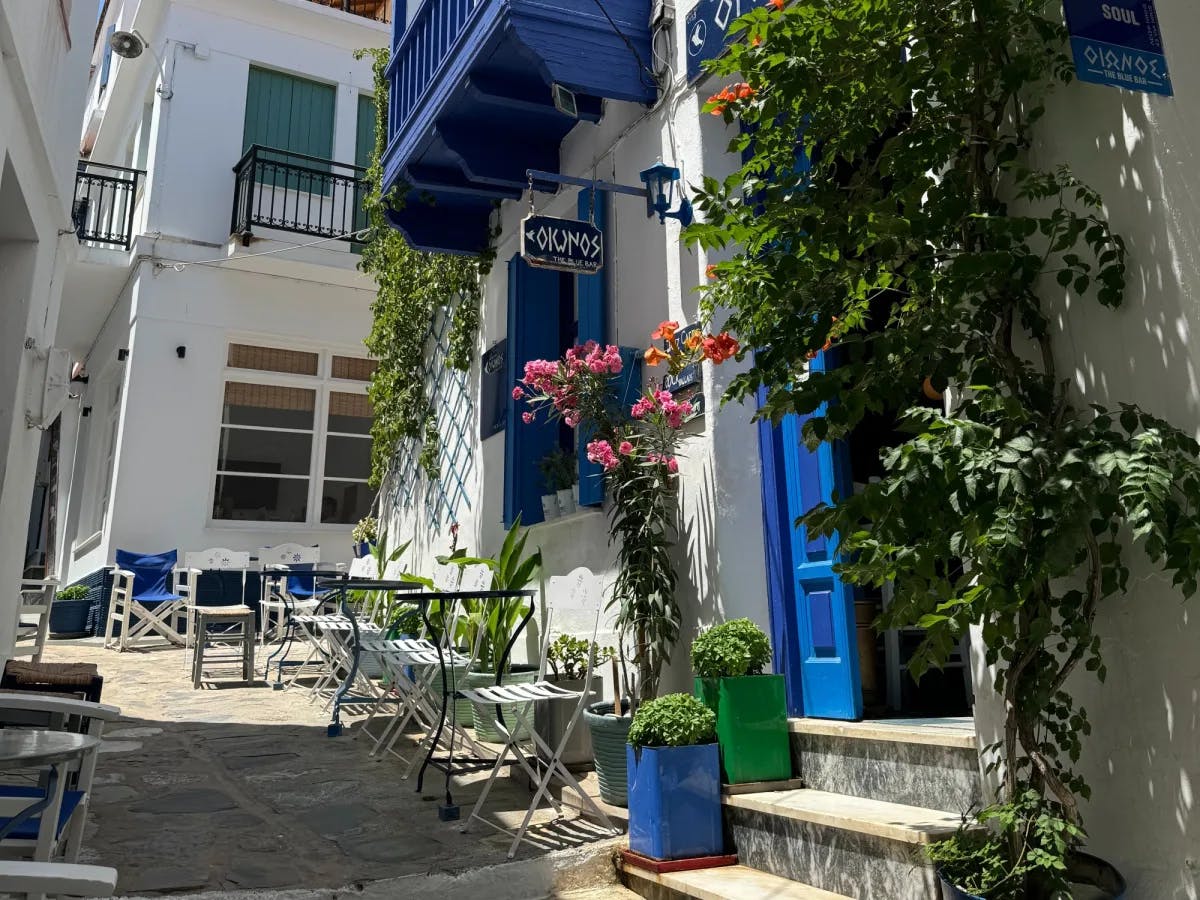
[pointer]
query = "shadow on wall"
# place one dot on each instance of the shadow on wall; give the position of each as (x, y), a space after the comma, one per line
(1143, 756)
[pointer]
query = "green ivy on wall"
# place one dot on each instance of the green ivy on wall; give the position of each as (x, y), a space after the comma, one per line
(412, 287)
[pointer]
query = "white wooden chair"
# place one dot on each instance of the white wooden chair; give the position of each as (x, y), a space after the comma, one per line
(283, 596)
(195, 563)
(33, 617)
(39, 836)
(31, 880)
(581, 594)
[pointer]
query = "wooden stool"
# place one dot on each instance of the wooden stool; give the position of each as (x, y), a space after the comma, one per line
(81, 680)
(242, 618)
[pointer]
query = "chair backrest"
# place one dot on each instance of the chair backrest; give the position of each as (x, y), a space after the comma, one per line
(288, 555)
(217, 558)
(392, 570)
(446, 576)
(475, 577)
(573, 604)
(363, 567)
(151, 571)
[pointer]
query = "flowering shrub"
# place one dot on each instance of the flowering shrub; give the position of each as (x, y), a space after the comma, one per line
(636, 447)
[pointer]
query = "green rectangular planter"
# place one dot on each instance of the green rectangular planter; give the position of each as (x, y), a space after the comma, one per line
(751, 726)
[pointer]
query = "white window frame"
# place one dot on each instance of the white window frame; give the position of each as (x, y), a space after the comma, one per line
(103, 435)
(323, 383)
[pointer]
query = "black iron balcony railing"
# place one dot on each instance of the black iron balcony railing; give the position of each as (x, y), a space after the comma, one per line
(298, 193)
(105, 197)
(379, 10)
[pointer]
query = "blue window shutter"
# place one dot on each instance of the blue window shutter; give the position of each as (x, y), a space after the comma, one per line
(533, 321)
(106, 59)
(591, 295)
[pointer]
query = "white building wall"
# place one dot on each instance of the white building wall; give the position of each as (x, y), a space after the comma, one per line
(308, 298)
(1143, 756)
(43, 66)
(652, 276)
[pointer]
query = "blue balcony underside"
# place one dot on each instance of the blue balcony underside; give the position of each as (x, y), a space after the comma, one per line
(471, 107)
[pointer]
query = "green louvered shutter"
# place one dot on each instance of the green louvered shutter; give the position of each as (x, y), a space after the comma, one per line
(295, 115)
(364, 146)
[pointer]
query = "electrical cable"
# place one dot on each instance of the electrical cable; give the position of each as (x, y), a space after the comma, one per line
(159, 265)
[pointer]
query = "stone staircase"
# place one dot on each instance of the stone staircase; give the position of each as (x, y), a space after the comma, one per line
(873, 794)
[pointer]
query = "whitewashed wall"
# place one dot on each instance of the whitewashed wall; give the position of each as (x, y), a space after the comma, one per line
(43, 76)
(1143, 757)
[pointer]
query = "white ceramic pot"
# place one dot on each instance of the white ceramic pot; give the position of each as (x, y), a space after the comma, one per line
(566, 502)
(549, 506)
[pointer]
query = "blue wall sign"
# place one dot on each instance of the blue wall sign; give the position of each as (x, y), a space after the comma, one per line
(494, 391)
(1119, 44)
(688, 384)
(567, 245)
(708, 31)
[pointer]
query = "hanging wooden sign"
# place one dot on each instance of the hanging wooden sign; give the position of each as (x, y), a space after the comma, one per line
(567, 245)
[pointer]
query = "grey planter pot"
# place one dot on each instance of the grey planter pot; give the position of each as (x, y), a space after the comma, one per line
(463, 713)
(552, 717)
(485, 713)
(609, 735)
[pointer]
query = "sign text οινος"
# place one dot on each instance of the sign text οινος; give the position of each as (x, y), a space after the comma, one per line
(1118, 44)
(567, 245)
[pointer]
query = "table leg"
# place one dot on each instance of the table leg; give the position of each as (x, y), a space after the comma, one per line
(437, 736)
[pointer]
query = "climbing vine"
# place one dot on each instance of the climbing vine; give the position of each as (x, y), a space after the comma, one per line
(413, 287)
(888, 210)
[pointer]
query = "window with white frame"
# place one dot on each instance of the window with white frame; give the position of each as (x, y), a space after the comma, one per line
(104, 426)
(295, 437)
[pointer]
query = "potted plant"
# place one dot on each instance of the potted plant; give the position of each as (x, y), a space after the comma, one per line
(751, 708)
(567, 658)
(490, 626)
(365, 533)
(674, 779)
(69, 611)
(548, 465)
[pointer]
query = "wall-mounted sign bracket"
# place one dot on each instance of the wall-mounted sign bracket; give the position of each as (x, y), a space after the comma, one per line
(591, 183)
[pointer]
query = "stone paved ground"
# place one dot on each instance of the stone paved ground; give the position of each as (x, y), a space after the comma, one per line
(238, 788)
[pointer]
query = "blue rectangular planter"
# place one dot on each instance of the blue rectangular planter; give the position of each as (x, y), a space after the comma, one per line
(675, 801)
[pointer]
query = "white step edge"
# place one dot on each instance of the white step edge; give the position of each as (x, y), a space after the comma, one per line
(733, 883)
(893, 821)
(935, 734)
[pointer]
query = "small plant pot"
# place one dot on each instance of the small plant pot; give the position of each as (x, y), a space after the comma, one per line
(751, 726)
(485, 713)
(566, 502)
(549, 506)
(1102, 880)
(552, 718)
(610, 735)
(361, 549)
(675, 801)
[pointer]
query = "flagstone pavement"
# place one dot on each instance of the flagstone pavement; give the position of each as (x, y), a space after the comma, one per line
(238, 789)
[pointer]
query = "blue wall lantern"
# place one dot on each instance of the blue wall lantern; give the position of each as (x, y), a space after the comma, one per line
(660, 193)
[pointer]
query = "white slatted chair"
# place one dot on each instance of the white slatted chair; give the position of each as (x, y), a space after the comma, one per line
(276, 598)
(38, 837)
(578, 592)
(33, 617)
(195, 563)
(32, 880)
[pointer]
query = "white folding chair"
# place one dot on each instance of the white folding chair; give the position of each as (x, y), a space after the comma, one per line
(579, 592)
(33, 617)
(32, 880)
(41, 836)
(277, 600)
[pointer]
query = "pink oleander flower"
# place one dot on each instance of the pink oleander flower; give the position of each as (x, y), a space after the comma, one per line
(527, 418)
(663, 396)
(601, 453)
(643, 407)
(572, 419)
(625, 449)
(672, 465)
(517, 393)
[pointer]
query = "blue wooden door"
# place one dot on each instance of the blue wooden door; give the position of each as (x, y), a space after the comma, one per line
(821, 620)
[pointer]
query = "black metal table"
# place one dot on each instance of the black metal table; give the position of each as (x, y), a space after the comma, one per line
(423, 600)
(289, 638)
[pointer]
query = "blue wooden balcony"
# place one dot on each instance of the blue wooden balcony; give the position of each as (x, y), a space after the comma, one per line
(471, 103)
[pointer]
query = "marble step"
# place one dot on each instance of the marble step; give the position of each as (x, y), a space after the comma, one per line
(724, 883)
(930, 763)
(846, 844)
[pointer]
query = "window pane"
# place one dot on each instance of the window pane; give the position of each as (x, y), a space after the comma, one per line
(272, 359)
(268, 405)
(354, 367)
(243, 497)
(265, 452)
(345, 502)
(350, 413)
(348, 457)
